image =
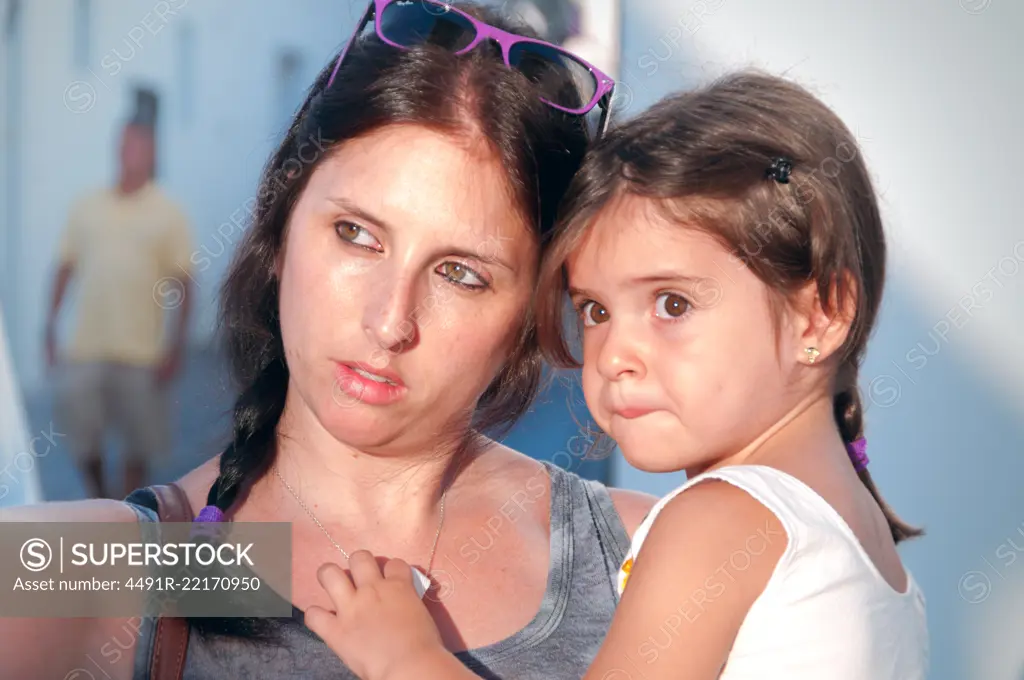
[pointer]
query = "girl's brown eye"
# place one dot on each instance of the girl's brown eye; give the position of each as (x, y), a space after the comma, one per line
(593, 313)
(670, 305)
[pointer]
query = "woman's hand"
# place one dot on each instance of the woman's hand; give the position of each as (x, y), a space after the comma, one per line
(380, 628)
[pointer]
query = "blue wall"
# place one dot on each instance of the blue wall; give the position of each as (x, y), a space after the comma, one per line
(558, 429)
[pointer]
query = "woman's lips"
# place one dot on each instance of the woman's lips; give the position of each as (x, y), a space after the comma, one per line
(353, 385)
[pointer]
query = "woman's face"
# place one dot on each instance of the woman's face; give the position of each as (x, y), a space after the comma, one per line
(404, 278)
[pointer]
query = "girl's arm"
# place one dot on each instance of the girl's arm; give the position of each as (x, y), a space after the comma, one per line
(708, 556)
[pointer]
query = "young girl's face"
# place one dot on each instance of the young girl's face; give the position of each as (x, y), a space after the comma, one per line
(683, 364)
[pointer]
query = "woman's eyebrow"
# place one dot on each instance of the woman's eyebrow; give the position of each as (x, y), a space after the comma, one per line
(353, 209)
(477, 255)
(486, 253)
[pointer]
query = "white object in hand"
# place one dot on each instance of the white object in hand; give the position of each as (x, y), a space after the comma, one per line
(420, 582)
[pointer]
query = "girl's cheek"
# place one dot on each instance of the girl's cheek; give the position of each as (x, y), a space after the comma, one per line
(591, 386)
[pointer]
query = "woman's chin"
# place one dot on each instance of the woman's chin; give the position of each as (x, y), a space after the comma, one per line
(370, 429)
(360, 430)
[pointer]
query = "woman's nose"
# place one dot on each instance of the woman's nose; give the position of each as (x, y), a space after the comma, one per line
(388, 319)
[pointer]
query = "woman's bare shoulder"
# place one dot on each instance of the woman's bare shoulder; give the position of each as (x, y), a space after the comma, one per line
(196, 483)
(498, 469)
(632, 506)
(505, 467)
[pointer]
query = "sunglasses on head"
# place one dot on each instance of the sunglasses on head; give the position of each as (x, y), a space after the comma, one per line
(407, 23)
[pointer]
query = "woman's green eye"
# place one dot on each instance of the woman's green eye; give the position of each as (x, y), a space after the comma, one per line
(460, 274)
(356, 235)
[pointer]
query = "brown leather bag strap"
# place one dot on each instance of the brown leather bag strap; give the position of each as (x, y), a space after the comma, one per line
(171, 637)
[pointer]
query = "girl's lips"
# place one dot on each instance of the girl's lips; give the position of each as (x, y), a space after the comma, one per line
(352, 388)
(633, 412)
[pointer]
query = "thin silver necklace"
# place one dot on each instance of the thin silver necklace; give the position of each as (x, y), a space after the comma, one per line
(424, 581)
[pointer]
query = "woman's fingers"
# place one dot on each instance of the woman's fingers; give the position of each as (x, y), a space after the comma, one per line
(363, 566)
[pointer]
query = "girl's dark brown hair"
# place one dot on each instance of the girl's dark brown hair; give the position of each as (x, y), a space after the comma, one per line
(704, 157)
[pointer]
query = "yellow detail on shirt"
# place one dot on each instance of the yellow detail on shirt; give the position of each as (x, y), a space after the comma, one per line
(624, 572)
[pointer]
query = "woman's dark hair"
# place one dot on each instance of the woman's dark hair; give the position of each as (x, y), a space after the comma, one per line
(379, 85)
(706, 159)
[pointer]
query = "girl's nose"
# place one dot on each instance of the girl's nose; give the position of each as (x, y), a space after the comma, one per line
(619, 356)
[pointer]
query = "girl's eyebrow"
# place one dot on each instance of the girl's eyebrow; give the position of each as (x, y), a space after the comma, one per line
(664, 277)
(578, 292)
(647, 279)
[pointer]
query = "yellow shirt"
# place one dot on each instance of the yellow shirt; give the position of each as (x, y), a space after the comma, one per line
(131, 255)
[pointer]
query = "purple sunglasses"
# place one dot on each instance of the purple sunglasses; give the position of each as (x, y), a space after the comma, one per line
(405, 23)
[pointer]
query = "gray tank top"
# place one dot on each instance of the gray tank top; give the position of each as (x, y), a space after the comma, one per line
(588, 543)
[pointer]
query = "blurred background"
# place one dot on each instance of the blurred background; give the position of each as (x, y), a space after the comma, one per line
(929, 88)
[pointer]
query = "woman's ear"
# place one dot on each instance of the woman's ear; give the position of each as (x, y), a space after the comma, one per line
(823, 325)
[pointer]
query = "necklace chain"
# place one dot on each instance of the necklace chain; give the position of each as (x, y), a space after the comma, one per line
(437, 535)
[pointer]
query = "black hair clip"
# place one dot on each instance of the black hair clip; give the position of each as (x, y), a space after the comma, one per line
(779, 170)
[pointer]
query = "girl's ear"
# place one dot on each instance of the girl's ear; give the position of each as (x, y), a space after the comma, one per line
(824, 324)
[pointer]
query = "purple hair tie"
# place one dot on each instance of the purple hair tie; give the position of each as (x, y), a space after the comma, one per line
(211, 513)
(858, 453)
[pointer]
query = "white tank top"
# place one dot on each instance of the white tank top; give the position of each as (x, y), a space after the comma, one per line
(826, 612)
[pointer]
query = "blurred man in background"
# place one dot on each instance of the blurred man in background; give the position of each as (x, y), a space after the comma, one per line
(128, 247)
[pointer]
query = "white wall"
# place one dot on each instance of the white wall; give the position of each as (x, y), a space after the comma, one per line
(600, 35)
(933, 90)
(218, 123)
(19, 450)
(10, 58)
